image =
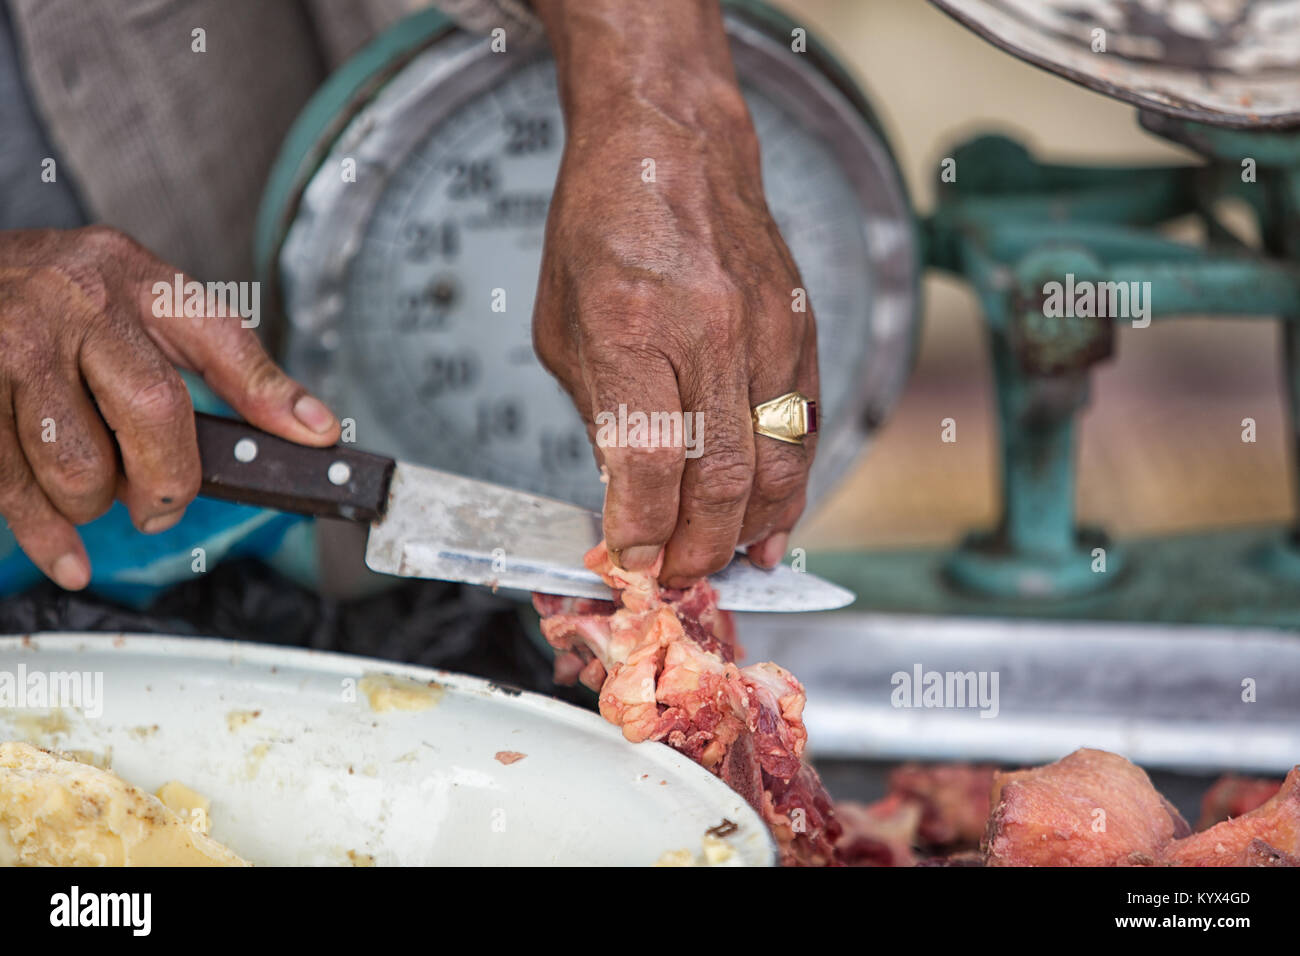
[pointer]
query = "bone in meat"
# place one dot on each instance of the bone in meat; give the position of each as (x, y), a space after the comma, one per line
(663, 663)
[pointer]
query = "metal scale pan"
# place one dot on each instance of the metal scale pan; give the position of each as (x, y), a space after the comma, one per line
(1233, 63)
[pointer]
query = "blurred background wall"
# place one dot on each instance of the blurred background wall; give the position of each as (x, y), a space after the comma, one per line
(1161, 447)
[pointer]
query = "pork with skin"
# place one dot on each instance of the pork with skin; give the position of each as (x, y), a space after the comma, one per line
(1091, 808)
(1233, 796)
(1269, 835)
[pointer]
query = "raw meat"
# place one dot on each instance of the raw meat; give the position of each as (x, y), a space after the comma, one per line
(954, 801)
(1091, 808)
(663, 663)
(943, 807)
(879, 834)
(1097, 809)
(1269, 835)
(1231, 796)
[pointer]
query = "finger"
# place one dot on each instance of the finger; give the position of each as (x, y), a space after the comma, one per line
(780, 471)
(65, 442)
(45, 536)
(768, 552)
(234, 364)
(145, 403)
(716, 485)
(780, 478)
(554, 348)
(642, 455)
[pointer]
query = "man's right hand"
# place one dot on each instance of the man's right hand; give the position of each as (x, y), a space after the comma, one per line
(91, 405)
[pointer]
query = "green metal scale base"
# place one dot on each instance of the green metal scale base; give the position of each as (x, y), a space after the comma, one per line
(1010, 226)
(1224, 578)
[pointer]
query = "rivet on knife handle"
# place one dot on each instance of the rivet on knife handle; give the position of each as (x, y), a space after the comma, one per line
(243, 464)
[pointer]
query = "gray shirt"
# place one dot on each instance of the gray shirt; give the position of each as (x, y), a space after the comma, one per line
(169, 144)
(28, 201)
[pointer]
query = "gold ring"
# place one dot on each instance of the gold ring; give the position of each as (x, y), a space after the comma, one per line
(786, 418)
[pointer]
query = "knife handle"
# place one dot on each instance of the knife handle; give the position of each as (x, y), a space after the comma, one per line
(246, 465)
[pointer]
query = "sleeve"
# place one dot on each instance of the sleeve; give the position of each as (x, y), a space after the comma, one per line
(483, 16)
(344, 26)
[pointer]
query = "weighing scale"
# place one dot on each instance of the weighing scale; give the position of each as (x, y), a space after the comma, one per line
(388, 277)
(415, 186)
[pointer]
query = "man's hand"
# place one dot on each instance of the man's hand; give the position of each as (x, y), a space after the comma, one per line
(84, 361)
(666, 286)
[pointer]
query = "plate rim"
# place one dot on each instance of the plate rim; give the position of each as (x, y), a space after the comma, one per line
(229, 650)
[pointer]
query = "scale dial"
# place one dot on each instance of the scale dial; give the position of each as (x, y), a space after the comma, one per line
(389, 282)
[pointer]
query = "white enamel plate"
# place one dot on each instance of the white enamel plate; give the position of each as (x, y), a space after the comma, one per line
(302, 769)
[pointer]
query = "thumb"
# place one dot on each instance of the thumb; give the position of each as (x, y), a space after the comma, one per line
(234, 364)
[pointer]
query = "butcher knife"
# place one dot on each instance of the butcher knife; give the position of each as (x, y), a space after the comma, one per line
(426, 523)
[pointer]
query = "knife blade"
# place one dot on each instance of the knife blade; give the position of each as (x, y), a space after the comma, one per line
(427, 523)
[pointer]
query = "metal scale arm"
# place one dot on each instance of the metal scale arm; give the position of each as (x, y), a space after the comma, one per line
(1010, 226)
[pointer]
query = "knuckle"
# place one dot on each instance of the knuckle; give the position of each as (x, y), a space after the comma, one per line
(632, 372)
(107, 241)
(647, 524)
(75, 285)
(707, 557)
(733, 108)
(159, 403)
(81, 473)
(262, 377)
(652, 467)
(781, 478)
(723, 482)
(621, 292)
(716, 291)
(656, 460)
(632, 313)
(722, 331)
(31, 362)
(28, 341)
(624, 358)
(630, 335)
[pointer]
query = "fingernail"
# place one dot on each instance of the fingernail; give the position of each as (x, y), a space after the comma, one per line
(71, 572)
(312, 412)
(162, 522)
(639, 557)
(771, 551)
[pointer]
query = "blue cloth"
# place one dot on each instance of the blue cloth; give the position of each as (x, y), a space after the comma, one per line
(126, 566)
(133, 568)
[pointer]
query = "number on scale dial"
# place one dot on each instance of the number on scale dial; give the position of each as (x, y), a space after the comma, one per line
(410, 296)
